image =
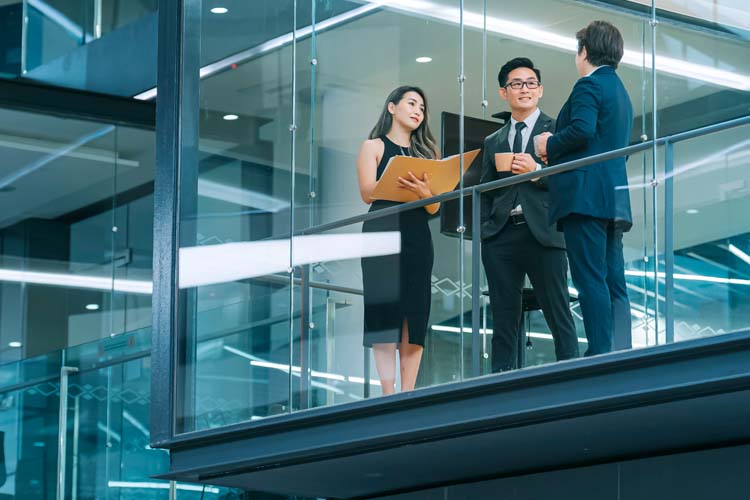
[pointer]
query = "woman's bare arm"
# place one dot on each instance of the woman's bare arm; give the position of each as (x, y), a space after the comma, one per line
(367, 167)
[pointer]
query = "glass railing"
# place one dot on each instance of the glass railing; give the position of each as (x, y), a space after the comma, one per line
(248, 369)
(273, 288)
(92, 443)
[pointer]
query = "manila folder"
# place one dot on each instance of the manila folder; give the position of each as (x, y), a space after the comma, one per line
(443, 175)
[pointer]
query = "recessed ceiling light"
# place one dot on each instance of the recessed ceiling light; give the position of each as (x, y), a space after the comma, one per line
(231, 118)
(219, 10)
(92, 307)
(424, 59)
(692, 211)
(15, 343)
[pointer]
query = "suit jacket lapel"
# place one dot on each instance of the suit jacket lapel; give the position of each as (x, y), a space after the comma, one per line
(543, 124)
(502, 139)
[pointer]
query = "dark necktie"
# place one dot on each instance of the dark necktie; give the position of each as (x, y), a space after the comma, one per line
(518, 139)
(517, 148)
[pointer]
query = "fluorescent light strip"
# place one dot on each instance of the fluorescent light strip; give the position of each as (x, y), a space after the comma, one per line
(488, 331)
(296, 370)
(739, 253)
(239, 196)
(135, 423)
(537, 335)
(512, 29)
(109, 432)
(54, 155)
(162, 486)
(54, 147)
(76, 281)
(690, 277)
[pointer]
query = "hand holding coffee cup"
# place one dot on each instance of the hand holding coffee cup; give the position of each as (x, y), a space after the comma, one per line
(503, 162)
(523, 163)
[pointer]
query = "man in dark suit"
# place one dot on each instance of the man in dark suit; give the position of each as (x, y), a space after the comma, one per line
(591, 205)
(517, 239)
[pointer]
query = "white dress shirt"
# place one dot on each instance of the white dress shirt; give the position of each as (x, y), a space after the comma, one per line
(530, 122)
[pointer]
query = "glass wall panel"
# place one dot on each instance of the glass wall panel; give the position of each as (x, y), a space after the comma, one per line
(28, 434)
(346, 70)
(711, 240)
(275, 254)
(106, 432)
(702, 78)
(236, 212)
(75, 236)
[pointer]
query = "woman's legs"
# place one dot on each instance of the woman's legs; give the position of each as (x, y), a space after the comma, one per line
(410, 356)
(385, 363)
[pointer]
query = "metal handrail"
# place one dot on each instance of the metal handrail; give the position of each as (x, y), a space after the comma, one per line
(517, 179)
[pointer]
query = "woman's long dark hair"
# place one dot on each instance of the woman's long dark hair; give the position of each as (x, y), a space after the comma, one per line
(422, 141)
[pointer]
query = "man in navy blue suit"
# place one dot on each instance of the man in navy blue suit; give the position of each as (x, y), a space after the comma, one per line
(591, 205)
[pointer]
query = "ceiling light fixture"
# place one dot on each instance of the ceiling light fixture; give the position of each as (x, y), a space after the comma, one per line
(692, 211)
(92, 307)
(14, 343)
(219, 10)
(424, 59)
(231, 118)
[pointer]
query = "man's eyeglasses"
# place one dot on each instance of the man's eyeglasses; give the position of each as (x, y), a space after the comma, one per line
(518, 85)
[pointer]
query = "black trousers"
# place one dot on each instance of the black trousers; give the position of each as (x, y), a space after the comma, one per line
(597, 267)
(508, 257)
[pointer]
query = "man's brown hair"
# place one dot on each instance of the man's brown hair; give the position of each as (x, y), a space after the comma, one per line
(603, 43)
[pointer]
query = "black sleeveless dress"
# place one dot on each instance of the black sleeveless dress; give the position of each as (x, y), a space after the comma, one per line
(398, 286)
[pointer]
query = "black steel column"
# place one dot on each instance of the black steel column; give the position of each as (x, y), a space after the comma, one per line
(176, 150)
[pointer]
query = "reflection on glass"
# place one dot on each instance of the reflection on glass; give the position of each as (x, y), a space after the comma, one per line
(272, 301)
(75, 234)
(106, 429)
(711, 239)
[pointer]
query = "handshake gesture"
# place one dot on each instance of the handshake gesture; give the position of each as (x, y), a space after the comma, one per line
(540, 145)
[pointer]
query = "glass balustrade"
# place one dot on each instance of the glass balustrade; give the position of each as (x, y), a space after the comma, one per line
(276, 312)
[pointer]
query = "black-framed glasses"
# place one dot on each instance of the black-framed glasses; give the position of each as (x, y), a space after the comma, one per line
(518, 85)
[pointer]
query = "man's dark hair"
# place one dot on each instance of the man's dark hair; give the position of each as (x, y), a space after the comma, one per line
(518, 62)
(603, 43)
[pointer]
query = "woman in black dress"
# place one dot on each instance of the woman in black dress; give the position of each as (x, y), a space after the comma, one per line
(397, 287)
